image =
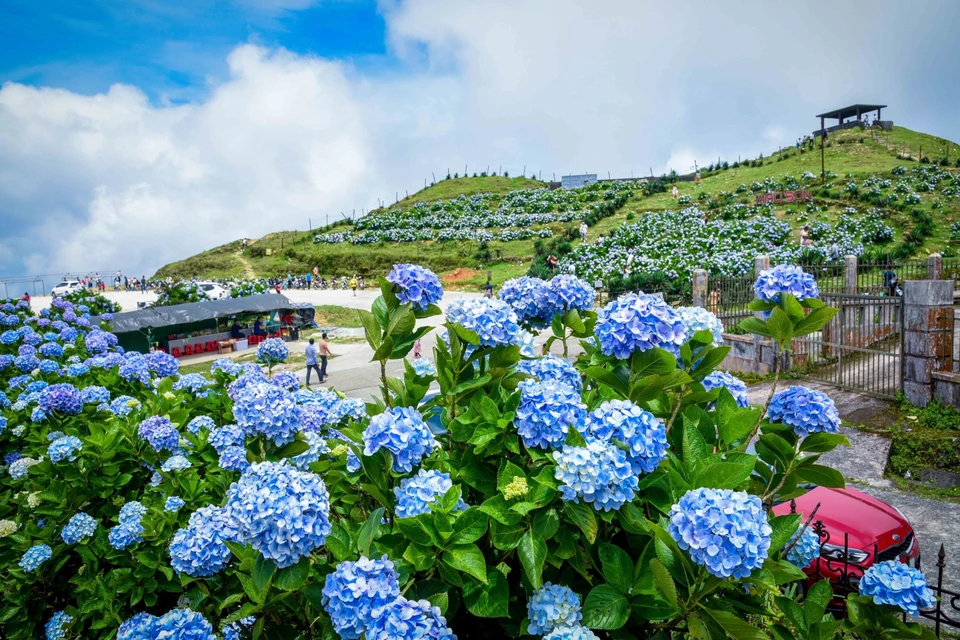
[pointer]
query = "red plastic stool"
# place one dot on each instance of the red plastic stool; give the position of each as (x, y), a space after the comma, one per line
(198, 348)
(188, 350)
(212, 346)
(177, 353)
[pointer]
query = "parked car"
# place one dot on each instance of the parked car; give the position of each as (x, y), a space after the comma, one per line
(213, 290)
(862, 530)
(65, 287)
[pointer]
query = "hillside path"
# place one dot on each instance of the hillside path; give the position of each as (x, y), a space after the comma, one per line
(247, 267)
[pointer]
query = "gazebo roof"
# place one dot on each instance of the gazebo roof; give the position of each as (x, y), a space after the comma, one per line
(851, 111)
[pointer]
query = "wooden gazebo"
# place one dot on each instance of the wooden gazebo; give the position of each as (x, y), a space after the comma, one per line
(853, 111)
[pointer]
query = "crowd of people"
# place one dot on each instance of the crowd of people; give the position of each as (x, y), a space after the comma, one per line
(118, 282)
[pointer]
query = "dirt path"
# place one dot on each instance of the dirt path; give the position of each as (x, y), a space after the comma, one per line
(247, 267)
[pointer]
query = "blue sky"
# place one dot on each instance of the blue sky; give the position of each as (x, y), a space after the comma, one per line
(138, 132)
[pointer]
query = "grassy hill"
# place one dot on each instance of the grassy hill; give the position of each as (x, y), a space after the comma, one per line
(851, 156)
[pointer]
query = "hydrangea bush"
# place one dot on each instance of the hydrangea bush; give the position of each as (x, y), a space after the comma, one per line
(529, 497)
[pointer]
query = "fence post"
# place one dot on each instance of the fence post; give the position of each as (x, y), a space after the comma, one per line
(700, 288)
(760, 263)
(928, 335)
(850, 274)
(934, 267)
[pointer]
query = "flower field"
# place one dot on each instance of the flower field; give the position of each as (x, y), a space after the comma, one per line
(610, 496)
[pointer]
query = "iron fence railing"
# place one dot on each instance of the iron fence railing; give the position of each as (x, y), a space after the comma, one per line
(728, 299)
(951, 270)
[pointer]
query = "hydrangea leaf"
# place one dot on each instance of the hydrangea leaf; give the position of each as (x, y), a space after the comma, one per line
(585, 517)
(605, 608)
(821, 476)
(368, 532)
(489, 600)
(665, 584)
(725, 475)
(467, 558)
(822, 442)
(532, 551)
(617, 566)
(735, 626)
(815, 320)
(293, 578)
(469, 526)
(783, 529)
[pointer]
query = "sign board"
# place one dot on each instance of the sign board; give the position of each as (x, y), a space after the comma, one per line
(784, 197)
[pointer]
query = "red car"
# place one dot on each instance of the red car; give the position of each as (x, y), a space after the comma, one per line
(863, 528)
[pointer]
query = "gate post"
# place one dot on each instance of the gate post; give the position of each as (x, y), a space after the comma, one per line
(927, 335)
(850, 274)
(934, 267)
(700, 288)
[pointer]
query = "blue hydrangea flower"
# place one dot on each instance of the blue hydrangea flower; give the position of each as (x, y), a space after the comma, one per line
(227, 365)
(348, 408)
(226, 436)
(531, 299)
(733, 384)
(233, 458)
(546, 411)
(416, 494)
(132, 511)
(403, 433)
(80, 527)
(272, 350)
(34, 557)
(356, 593)
(200, 423)
(527, 344)
(314, 415)
(318, 446)
(18, 468)
(638, 322)
(160, 433)
(196, 383)
(61, 398)
(162, 364)
(173, 504)
(552, 367)
(125, 534)
(405, 619)
(894, 583)
(552, 606)
(26, 363)
(135, 368)
(642, 432)
(123, 405)
(572, 293)
(699, 319)
(805, 410)
(353, 462)
(50, 350)
(806, 549)
(240, 629)
(571, 633)
(287, 380)
(200, 549)
(493, 320)
(597, 473)
(724, 531)
(424, 367)
(175, 463)
(182, 624)
(9, 337)
(94, 395)
(64, 448)
(785, 279)
(6, 361)
(27, 349)
(54, 627)
(96, 343)
(139, 627)
(282, 511)
(3, 422)
(263, 407)
(38, 415)
(415, 285)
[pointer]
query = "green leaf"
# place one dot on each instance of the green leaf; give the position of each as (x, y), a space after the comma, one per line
(617, 567)
(821, 476)
(371, 328)
(489, 600)
(792, 307)
(818, 597)
(735, 626)
(533, 553)
(508, 471)
(546, 523)
(815, 320)
(821, 442)
(665, 584)
(754, 325)
(402, 321)
(292, 449)
(616, 380)
(368, 532)
(793, 612)
(422, 558)
(574, 438)
(605, 608)
(469, 526)
(652, 362)
(694, 446)
(584, 516)
(293, 578)
(783, 529)
(572, 320)
(780, 327)
(467, 558)
(725, 475)
(263, 570)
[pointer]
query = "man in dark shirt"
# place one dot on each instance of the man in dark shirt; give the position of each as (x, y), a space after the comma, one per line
(235, 331)
(890, 281)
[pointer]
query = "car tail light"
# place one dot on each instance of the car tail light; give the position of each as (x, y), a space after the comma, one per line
(836, 552)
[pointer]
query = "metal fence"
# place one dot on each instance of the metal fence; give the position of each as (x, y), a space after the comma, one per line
(831, 277)
(860, 349)
(950, 362)
(728, 299)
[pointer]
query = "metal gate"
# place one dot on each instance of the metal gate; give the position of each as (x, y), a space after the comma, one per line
(859, 350)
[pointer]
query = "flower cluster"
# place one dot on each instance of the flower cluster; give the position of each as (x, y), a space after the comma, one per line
(416, 494)
(643, 434)
(80, 527)
(424, 367)
(357, 593)
(699, 319)
(772, 283)
(200, 549)
(894, 583)
(402, 432)
(281, 511)
(805, 410)
(805, 550)
(552, 606)
(262, 407)
(415, 285)
(272, 350)
(492, 320)
(129, 530)
(160, 433)
(64, 448)
(61, 398)
(54, 627)
(546, 411)
(724, 531)
(552, 368)
(177, 624)
(637, 323)
(404, 618)
(598, 473)
(35, 556)
(736, 386)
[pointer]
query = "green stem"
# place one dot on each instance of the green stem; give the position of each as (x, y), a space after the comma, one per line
(383, 381)
(766, 405)
(676, 409)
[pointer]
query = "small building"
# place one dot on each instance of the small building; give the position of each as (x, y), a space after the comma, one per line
(574, 181)
(853, 116)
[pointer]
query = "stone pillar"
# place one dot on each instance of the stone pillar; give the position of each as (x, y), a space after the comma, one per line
(760, 263)
(928, 335)
(700, 288)
(850, 274)
(934, 267)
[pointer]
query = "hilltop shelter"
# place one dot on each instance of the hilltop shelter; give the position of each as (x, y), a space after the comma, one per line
(857, 111)
(201, 322)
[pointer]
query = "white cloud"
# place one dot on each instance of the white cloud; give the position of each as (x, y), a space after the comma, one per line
(113, 181)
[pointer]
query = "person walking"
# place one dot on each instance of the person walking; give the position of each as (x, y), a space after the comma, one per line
(353, 285)
(583, 231)
(890, 281)
(324, 353)
(675, 192)
(417, 349)
(312, 362)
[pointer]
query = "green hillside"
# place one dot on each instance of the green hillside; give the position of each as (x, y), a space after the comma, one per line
(865, 158)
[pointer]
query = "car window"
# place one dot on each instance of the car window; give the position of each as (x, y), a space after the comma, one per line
(207, 287)
(63, 284)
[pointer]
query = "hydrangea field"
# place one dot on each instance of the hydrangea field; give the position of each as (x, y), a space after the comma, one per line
(607, 496)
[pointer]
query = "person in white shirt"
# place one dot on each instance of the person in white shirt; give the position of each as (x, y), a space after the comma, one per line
(311, 353)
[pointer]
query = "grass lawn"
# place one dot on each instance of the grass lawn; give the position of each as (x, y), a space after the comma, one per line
(331, 315)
